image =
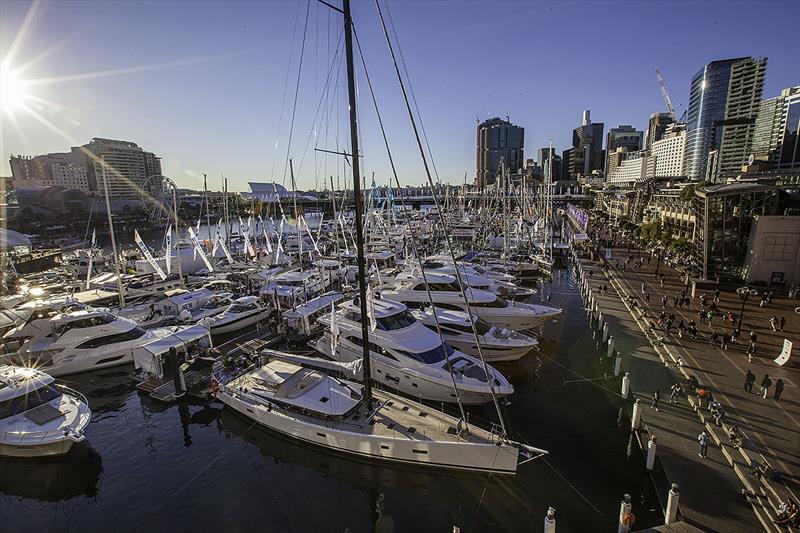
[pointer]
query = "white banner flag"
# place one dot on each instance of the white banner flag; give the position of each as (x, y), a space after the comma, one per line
(786, 353)
(199, 250)
(94, 238)
(168, 246)
(310, 236)
(245, 231)
(89, 269)
(147, 255)
(334, 331)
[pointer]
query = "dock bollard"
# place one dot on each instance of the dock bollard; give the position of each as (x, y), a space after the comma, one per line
(550, 521)
(605, 332)
(177, 373)
(617, 364)
(671, 514)
(625, 514)
(600, 320)
(610, 346)
(636, 417)
(651, 453)
(626, 385)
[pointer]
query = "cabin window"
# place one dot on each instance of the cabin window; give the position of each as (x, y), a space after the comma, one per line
(431, 356)
(497, 303)
(398, 321)
(133, 334)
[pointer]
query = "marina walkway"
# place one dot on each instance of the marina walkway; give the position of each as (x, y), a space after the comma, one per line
(711, 489)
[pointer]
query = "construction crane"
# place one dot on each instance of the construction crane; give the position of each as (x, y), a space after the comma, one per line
(665, 92)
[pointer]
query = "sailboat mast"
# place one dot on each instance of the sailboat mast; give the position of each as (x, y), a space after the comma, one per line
(208, 214)
(359, 199)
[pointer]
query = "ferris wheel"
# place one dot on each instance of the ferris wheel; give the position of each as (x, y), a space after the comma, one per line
(157, 202)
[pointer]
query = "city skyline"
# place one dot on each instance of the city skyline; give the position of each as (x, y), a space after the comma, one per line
(205, 90)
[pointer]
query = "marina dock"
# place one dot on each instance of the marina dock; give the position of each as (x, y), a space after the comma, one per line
(721, 492)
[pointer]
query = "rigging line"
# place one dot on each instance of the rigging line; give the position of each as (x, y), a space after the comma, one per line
(194, 477)
(285, 88)
(296, 91)
(445, 226)
(322, 99)
(579, 493)
(413, 96)
(415, 248)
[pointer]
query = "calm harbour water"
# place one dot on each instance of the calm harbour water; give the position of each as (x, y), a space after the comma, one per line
(147, 467)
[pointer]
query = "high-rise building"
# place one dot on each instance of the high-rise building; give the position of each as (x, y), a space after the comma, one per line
(724, 101)
(623, 136)
(632, 170)
(656, 127)
(586, 154)
(127, 168)
(666, 154)
(67, 170)
(543, 154)
(498, 140)
(614, 159)
(789, 156)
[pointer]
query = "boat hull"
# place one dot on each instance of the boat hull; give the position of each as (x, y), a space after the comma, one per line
(499, 458)
(48, 449)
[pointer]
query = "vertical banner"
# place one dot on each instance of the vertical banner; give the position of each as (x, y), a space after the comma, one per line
(147, 255)
(200, 251)
(168, 246)
(786, 353)
(88, 269)
(310, 236)
(334, 331)
(248, 247)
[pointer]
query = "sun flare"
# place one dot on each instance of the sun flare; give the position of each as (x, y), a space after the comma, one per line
(12, 90)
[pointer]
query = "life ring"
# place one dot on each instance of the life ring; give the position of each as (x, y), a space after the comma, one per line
(628, 519)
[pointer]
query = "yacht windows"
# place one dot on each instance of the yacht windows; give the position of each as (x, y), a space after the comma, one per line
(34, 398)
(442, 287)
(449, 307)
(431, 356)
(480, 326)
(133, 334)
(242, 308)
(398, 321)
(497, 303)
(89, 322)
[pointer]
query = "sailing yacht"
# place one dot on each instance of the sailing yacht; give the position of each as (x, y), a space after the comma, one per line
(446, 294)
(497, 344)
(38, 418)
(408, 357)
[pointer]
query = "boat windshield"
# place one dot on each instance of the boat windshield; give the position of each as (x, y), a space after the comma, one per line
(431, 356)
(26, 402)
(240, 308)
(496, 303)
(398, 321)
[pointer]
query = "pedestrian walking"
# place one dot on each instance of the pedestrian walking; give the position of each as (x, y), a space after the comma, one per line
(778, 388)
(766, 383)
(675, 390)
(656, 398)
(703, 440)
(751, 352)
(749, 380)
(774, 323)
(643, 287)
(781, 323)
(664, 300)
(647, 297)
(763, 300)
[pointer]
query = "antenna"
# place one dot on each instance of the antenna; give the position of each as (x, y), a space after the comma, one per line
(665, 92)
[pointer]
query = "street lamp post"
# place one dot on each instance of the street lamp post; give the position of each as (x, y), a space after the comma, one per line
(744, 294)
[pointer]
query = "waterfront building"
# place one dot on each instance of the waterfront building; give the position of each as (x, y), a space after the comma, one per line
(770, 125)
(586, 154)
(724, 101)
(127, 169)
(665, 204)
(667, 153)
(656, 127)
(614, 159)
(632, 170)
(65, 170)
(498, 141)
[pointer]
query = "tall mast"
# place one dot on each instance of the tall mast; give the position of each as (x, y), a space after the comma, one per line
(120, 288)
(208, 215)
(359, 199)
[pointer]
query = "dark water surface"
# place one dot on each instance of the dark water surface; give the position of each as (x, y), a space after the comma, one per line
(146, 467)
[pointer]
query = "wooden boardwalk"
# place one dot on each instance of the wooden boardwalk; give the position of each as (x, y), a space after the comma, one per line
(711, 489)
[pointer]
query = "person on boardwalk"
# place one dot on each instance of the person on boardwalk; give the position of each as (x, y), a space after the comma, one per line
(656, 398)
(778, 389)
(749, 380)
(675, 391)
(703, 440)
(774, 323)
(766, 383)
(781, 323)
(751, 351)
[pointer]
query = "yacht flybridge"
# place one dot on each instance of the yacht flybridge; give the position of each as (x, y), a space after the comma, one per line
(409, 288)
(408, 357)
(38, 418)
(314, 407)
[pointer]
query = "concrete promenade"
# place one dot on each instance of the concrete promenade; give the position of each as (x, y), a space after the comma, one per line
(711, 488)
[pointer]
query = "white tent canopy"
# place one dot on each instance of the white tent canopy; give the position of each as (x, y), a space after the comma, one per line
(149, 357)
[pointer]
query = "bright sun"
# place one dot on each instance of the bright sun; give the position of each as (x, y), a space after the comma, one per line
(12, 90)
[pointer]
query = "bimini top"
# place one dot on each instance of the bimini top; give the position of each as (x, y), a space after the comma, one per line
(18, 381)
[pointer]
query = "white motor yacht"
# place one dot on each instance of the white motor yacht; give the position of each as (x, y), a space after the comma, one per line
(446, 294)
(83, 340)
(309, 405)
(501, 284)
(296, 287)
(37, 317)
(37, 417)
(497, 344)
(408, 357)
(243, 312)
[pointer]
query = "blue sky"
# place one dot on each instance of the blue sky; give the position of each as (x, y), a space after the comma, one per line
(214, 100)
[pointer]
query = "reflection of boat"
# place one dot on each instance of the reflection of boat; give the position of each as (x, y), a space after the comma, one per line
(53, 479)
(38, 418)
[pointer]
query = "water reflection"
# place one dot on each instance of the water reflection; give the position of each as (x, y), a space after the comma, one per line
(52, 480)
